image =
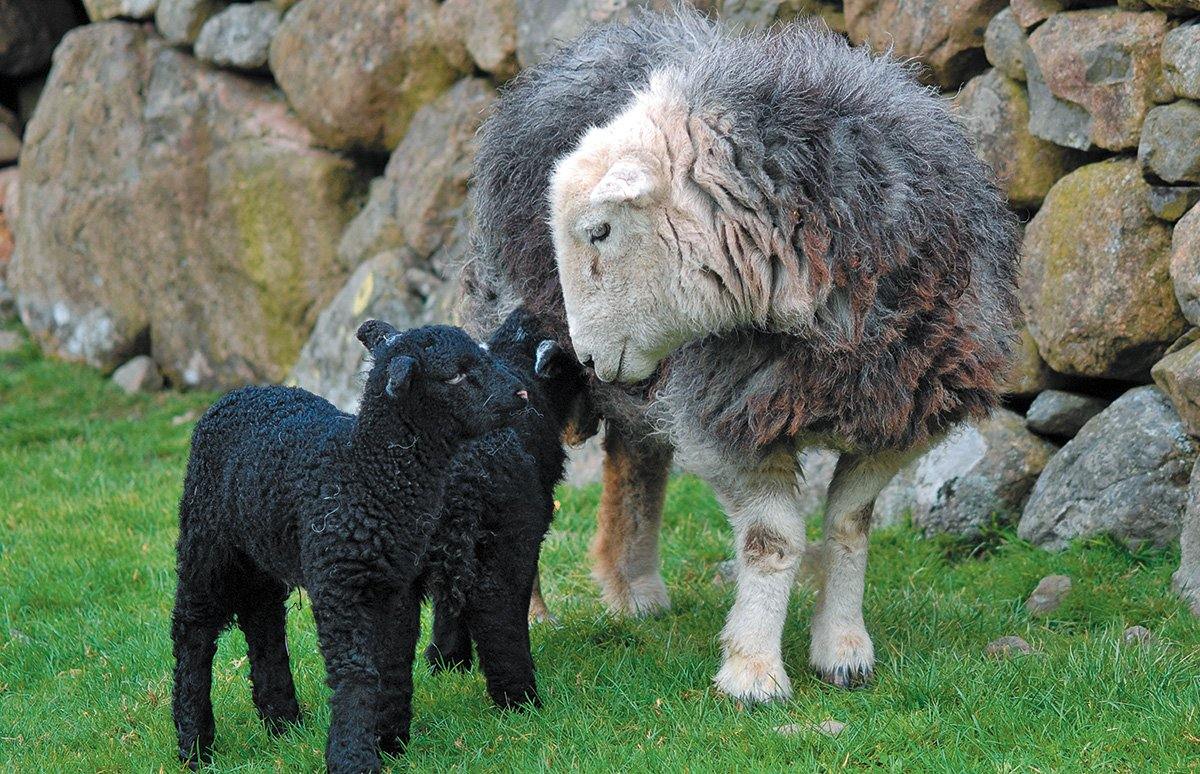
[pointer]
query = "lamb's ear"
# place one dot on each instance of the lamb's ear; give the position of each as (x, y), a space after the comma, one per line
(373, 332)
(548, 361)
(625, 181)
(401, 372)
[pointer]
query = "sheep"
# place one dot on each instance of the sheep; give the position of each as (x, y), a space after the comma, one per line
(763, 242)
(283, 490)
(498, 505)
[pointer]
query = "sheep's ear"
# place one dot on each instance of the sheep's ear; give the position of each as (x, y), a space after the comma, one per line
(548, 361)
(373, 332)
(401, 372)
(625, 181)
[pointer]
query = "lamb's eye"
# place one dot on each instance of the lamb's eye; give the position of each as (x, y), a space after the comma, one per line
(598, 233)
(456, 379)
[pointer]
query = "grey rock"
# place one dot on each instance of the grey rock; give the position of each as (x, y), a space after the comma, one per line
(1171, 202)
(1005, 45)
(1181, 60)
(1010, 645)
(979, 473)
(240, 36)
(1178, 375)
(544, 25)
(482, 32)
(102, 10)
(725, 573)
(1062, 414)
(1176, 6)
(1137, 635)
(29, 31)
(1185, 264)
(180, 21)
(1028, 13)
(332, 362)
(585, 462)
(140, 374)
(816, 468)
(1186, 580)
(1124, 474)
(1051, 118)
(827, 727)
(1030, 374)
(1170, 144)
(1049, 595)
(10, 341)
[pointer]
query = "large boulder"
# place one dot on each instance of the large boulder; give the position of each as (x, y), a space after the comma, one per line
(946, 37)
(1096, 284)
(357, 70)
(1005, 45)
(1181, 60)
(164, 202)
(482, 33)
(995, 112)
(1185, 264)
(1124, 474)
(29, 32)
(1106, 63)
(1178, 375)
(1170, 145)
(1186, 579)
(240, 36)
(978, 474)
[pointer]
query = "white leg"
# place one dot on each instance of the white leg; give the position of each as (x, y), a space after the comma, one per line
(841, 651)
(769, 534)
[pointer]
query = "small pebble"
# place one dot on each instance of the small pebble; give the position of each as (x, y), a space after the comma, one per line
(1008, 646)
(1137, 635)
(10, 341)
(183, 418)
(138, 375)
(726, 572)
(1049, 595)
(827, 727)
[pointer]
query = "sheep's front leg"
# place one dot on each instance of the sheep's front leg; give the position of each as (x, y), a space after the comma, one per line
(398, 623)
(625, 551)
(769, 534)
(345, 631)
(841, 651)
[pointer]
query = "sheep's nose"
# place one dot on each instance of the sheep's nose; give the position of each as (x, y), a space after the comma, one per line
(523, 394)
(587, 362)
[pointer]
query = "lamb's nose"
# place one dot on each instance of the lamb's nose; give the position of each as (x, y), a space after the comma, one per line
(523, 394)
(587, 362)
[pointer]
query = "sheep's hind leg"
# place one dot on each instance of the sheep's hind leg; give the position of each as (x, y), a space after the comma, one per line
(769, 532)
(841, 651)
(625, 551)
(201, 612)
(262, 617)
(450, 645)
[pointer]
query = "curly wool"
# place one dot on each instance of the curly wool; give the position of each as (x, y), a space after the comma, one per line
(901, 232)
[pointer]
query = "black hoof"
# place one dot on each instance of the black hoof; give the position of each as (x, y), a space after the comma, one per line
(848, 677)
(446, 662)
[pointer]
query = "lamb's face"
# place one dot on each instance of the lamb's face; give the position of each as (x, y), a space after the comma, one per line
(612, 220)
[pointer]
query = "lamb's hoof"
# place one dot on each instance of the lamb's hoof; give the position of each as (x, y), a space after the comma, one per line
(194, 760)
(517, 699)
(845, 659)
(440, 661)
(540, 615)
(642, 597)
(753, 679)
(393, 744)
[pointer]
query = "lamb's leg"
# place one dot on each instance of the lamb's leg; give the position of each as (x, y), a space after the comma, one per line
(841, 651)
(497, 615)
(199, 616)
(450, 646)
(262, 617)
(345, 631)
(625, 551)
(769, 532)
(399, 622)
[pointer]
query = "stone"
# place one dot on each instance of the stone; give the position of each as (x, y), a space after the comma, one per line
(1185, 264)
(1030, 374)
(976, 475)
(1186, 580)
(1171, 202)
(1095, 283)
(422, 195)
(725, 574)
(1005, 45)
(332, 362)
(544, 25)
(947, 38)
(1105, 62)
(486, 32)
(1170, 144)
(1137, 635)
(585, 462)
(1181, 60)
(995, 112)
(10, 137)
(240, 36)
(140, 374)
(1176, 6)
(1004, 647)
(356, 71)
(816, 471)
(1029, 13)
(103, 10)
(10, 341)
(760, 14)
(165, 201)
(1178, 375)
(29, 31)
(1048, 596)
(180, 21)
(1062, 414)
(1051, 118)
(1125, 474)
(8, 206)
(827, 727)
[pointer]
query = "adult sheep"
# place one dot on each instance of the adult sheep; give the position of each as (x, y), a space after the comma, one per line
(773, 241)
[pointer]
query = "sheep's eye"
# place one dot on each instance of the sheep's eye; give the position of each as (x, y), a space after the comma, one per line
(456, 379)
(598, 233)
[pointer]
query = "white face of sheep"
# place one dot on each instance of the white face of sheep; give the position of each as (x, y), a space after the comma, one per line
(612, 218)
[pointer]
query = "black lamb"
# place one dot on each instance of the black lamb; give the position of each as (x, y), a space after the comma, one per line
(499, 504)
(284, 490)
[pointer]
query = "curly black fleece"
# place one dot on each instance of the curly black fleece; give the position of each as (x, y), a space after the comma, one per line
(499, 504)
(284, 490)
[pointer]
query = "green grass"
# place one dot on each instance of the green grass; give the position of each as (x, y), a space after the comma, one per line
(89, 480)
